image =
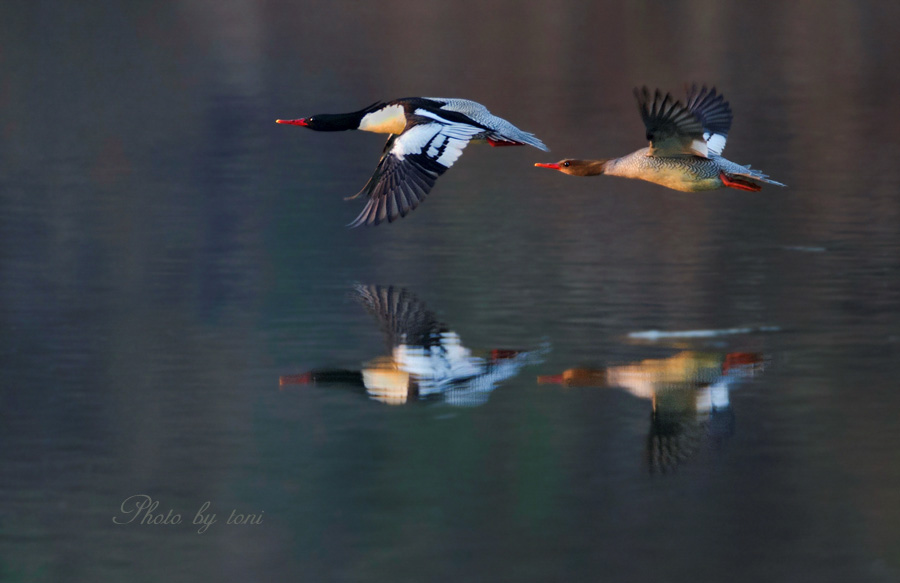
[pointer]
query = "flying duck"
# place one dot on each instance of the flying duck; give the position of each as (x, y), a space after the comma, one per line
(427, 135)
(686, 143)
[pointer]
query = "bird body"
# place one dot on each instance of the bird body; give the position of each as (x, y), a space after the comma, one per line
(426, 136)
(684, 173)
(685, 151)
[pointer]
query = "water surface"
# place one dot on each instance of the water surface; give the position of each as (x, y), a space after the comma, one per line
(170, 257)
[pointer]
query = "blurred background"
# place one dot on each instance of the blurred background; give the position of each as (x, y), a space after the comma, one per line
(180, 314)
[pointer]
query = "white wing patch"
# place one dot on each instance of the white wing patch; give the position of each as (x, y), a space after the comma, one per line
(414, 140)
(432, 115)
(453, 139)
(715, 143)
(442, 141)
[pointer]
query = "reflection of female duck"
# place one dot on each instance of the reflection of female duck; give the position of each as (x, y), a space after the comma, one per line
(427, 360)
(689, 393)
(686, 143)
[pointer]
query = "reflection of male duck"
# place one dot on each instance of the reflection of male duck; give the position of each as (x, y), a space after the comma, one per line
(689, 393)
(427, 361)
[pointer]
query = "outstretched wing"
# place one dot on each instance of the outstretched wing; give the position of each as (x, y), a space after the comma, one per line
(411, 164)
(403, 318)
(699, 128)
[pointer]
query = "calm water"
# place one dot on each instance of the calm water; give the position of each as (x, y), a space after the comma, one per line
(184, 316)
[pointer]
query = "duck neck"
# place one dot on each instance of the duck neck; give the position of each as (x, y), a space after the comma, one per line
(594, 167)
(340, 122)
(337, 122)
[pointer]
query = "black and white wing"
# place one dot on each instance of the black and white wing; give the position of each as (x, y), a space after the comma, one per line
(699, 128)
(402, 317)
(411, 164)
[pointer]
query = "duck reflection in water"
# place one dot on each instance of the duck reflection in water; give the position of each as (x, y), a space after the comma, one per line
(689, 393)
(427, 360)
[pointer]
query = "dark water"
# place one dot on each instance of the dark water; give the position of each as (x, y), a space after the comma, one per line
(172, 263)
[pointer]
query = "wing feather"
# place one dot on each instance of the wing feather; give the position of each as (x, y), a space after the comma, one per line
(402, 317)
(409, 168)
(699, 128)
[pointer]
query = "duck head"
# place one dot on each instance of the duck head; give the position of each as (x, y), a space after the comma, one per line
(327, 122)
(334, 122)
(577, 167)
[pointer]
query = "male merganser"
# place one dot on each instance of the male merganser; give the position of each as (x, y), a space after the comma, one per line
(686, 143)
(426, 361)
(427, 135)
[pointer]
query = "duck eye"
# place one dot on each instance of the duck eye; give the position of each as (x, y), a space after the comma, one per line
(566, 164)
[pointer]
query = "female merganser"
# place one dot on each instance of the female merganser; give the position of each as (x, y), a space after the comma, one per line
(427, 135)
(686, 143)
(689, 395)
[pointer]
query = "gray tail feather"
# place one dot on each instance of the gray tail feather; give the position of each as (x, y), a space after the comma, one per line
(511, 132)
(514, 134)
(531, 140)
(757, 175)
(760, 176)
(507, 131)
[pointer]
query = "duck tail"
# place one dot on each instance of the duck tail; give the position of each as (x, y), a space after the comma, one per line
(515, 137)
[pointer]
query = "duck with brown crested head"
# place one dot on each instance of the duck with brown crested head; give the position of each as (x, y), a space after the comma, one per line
(686, 143)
